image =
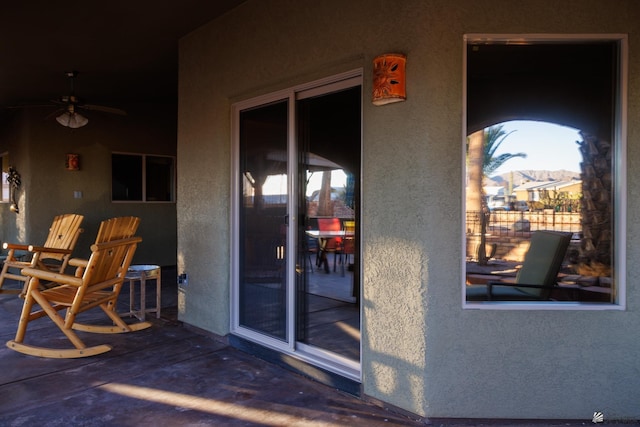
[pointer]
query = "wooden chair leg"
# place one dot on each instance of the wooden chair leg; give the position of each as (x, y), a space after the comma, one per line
(34, 296)
(5, 273)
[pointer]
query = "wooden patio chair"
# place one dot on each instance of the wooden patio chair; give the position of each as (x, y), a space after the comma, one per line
(110, 229)
(98, 286)
(53, 255)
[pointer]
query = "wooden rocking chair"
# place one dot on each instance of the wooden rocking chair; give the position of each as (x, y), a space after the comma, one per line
(98, 286)
(53, 256)
(111, 229)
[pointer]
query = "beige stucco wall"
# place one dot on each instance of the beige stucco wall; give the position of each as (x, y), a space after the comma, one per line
(420, 350)
(37, 148)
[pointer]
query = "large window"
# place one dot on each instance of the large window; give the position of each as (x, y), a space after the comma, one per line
(544, 219)
(142, 178)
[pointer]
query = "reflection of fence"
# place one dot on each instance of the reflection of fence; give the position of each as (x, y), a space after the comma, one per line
(514, 223)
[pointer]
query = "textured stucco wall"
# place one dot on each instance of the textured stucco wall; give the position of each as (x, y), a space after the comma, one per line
(37, 149)
(421, 350)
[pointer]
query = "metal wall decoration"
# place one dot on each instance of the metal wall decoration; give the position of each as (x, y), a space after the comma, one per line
(389, 78)
(14, 181)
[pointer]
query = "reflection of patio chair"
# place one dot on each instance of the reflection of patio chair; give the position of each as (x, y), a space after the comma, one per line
(53, 255)
(311, 249)
(98, 286)
(537, 276)
(348, 244)
(333, 244)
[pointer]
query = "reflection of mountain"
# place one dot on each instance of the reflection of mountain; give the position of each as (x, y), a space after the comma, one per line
(520, 177)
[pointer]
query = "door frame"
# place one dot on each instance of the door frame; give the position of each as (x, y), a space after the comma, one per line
(290, 346)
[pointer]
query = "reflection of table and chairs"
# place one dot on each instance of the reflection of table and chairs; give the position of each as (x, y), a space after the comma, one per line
(332, 237)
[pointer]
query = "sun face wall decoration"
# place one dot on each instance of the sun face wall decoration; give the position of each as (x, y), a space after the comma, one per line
(73, 162)
(389, 78)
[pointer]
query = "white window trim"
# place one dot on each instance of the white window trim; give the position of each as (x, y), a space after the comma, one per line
(144, 178)
(620, 174)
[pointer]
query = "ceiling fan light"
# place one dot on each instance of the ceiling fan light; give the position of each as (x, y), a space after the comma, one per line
(72, 120)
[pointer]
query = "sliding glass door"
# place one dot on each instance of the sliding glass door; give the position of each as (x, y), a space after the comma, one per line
(296, 222)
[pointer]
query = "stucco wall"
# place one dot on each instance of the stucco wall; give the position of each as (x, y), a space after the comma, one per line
(421, 350)
(37, 149)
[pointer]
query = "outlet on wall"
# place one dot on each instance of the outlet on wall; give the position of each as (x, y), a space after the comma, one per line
(183, 279)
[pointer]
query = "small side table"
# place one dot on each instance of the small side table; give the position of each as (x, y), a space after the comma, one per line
(142, 273)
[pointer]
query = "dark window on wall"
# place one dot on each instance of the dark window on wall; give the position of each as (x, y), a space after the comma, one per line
(159, 178)
(142, 178)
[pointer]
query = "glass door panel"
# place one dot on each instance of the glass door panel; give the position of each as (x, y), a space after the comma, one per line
(298, 167)
(329, 146)
(262, 219)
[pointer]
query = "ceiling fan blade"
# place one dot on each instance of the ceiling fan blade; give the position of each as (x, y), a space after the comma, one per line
(43, 105)
(55, 113)
(103, 109)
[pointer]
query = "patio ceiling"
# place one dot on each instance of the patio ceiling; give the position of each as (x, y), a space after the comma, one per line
(125, 51)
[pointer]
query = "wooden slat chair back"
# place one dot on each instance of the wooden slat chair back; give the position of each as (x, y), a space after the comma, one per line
(117, 228)
(110, 229)
(99, 286)
(54, 255)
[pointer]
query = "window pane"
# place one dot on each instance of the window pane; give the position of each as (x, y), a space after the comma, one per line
(126, 177)
(159, 178)
(262, 219)
(521, 190)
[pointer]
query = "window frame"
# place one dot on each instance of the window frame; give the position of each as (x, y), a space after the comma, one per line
(618, 165)
(4, 174)
(145, 178)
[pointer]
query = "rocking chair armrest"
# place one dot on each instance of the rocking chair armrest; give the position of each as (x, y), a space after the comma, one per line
(78, 262)
(16, 246)
(52, 277)
(114, 243)
(33, 248)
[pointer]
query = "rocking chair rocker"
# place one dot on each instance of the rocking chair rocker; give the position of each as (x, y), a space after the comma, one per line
(97, 285)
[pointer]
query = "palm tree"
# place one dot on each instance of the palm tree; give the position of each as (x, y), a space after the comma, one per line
(482, 161)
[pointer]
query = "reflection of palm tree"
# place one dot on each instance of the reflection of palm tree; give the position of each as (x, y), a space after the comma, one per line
(597, 207)
(482, 161)
(494, 136)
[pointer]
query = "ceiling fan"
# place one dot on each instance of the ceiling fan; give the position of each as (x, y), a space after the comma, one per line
(70, 117)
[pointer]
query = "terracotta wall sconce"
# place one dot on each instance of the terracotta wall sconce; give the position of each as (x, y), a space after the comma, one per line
(73, 162)
(389, 78)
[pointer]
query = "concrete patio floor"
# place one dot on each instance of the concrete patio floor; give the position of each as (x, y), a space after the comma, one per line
(173, 375)
(167, 375)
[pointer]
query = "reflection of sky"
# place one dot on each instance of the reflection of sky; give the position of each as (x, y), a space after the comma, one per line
(277, 184)
(548, 147)
(338, 180)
